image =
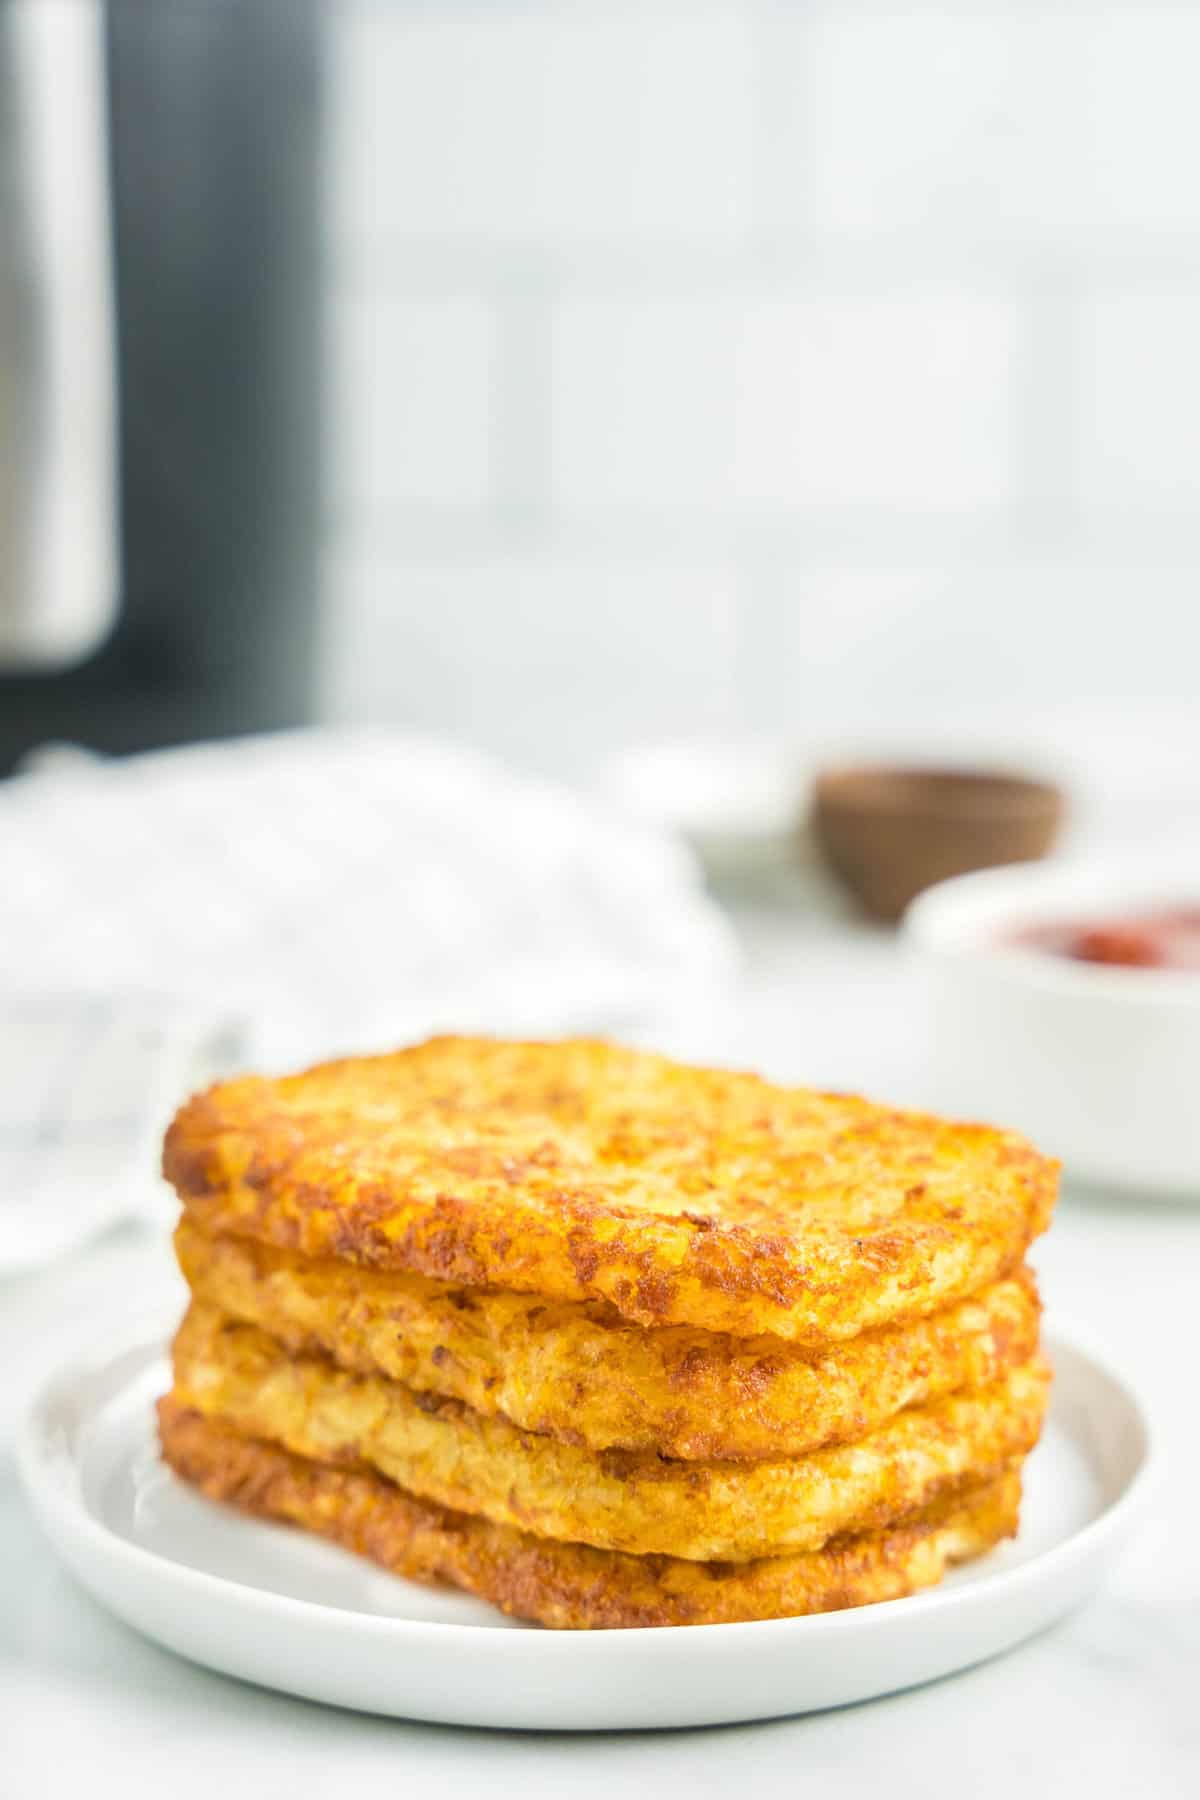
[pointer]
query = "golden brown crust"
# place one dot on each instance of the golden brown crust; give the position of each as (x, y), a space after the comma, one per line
(577, 1371)
(569, 1585)
(643, 1504)
(583, 1171)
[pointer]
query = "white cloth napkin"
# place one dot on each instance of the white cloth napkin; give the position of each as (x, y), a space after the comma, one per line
(88, 1082)
(270, 901)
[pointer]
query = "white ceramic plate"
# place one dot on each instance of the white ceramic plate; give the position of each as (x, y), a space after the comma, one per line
(287, 1611)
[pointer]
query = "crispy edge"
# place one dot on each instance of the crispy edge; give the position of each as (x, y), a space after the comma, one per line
(642, 1504)
(569, 1586)
(577, 1372)
(241, 1162)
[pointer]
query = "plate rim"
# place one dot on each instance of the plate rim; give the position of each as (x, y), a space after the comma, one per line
(64, 1514)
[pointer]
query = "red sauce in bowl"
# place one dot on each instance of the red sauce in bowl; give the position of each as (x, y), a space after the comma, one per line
(1168, 938)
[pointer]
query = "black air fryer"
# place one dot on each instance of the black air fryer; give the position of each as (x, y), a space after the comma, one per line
(214, 120)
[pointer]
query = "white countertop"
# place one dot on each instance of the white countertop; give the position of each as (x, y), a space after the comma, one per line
(1107, 1704)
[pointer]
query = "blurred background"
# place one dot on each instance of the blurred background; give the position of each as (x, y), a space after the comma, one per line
(779, 368)
(569, 377)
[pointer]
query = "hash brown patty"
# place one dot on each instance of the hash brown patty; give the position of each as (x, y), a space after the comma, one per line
(642, 1504)
(570, 1585)
(577, 1371)
(582, 1171)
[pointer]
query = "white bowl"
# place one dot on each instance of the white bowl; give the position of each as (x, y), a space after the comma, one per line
(1098, 1065)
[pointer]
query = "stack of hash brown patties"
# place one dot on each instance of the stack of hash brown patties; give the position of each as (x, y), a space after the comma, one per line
(605, 1339)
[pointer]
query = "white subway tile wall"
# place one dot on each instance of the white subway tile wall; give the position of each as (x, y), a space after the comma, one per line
(872, 101)
(759, 365)
(642, 402)
(1140, 401)
(899, 402)
(411, 386)
(1128, 75)
(541, 124)
(549, 661)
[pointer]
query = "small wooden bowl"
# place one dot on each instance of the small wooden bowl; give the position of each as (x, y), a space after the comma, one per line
(890, 832)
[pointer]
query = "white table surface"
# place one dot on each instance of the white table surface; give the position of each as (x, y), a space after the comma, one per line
(1106, 1704)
